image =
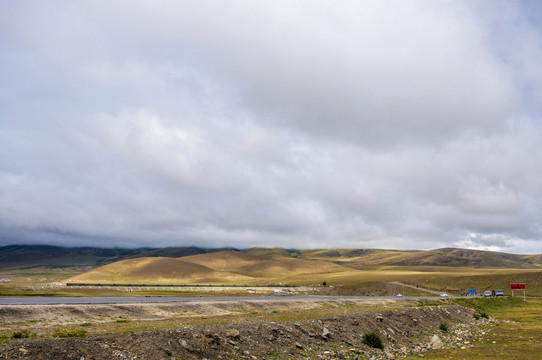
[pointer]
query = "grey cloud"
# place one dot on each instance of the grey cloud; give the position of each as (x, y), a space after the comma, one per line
(383, 124)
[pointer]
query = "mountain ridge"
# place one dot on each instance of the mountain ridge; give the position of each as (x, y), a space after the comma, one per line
(24, 255)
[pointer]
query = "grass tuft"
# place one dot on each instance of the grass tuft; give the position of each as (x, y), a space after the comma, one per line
(63, 333)
(373, 340)
(21, 334)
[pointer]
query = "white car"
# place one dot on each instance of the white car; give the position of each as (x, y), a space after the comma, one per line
(399, 295)
(443, 295)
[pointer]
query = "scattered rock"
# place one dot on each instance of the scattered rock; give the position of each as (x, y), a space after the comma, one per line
(233, 334)
(436, 343)
(401, 334)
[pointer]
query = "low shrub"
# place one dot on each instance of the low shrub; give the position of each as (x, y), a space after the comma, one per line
(373, 340)
(21, 334)
(476, 316)
(70, 333)
(85, 324)
(443, 327)
(484, 315)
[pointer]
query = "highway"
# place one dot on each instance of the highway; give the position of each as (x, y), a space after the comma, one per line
(164, 299)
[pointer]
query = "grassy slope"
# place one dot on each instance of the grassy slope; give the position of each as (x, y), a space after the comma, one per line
(19, 256)
(368, 258)
(496, 279)
(465, 268)
(275, 266)
(518, 338)
(13, 256)
(25, 255)
(157, 270)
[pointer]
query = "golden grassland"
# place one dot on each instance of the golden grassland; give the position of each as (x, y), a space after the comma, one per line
(349, 268)
(253, 265)
(157, 270)
(345, 269)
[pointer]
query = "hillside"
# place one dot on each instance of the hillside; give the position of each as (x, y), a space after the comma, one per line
(274, 264)
(467, 258)
(157, 270)
(33, 255)
(13, 256)
(367, 258)
(22, 264)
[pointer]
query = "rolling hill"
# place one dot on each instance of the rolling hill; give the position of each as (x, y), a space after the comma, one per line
(260, 265)
(157, 270)
(275, 265)
(34, 255)
(367, 258)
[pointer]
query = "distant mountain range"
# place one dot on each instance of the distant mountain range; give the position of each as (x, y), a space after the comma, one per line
(32, 255)
(237, 260)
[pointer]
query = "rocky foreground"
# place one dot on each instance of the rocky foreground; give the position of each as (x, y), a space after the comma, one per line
(405, 331)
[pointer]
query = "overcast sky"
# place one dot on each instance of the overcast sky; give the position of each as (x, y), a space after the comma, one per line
(312, 124)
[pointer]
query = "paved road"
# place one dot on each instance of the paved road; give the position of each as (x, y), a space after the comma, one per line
(157, 299)
(416, 288)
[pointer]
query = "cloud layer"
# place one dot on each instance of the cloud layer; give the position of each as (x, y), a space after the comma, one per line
(391, 124)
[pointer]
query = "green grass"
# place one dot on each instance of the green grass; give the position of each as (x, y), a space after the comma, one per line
(491, 306)
(122, 319)
(21, 334)
(62, 333)
(519, 337)
(458, 283)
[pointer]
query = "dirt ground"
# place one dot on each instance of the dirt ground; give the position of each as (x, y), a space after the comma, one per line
(338, 336)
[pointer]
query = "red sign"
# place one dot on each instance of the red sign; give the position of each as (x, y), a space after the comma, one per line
(517, 286)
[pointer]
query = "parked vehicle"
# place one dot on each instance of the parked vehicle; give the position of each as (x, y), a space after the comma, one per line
(443, 295)
(487, 293)
(499, 293)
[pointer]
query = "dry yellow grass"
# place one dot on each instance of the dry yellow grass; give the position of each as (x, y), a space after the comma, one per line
(370, 258)
(157, 270)
(304, 267)
(275, 266)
